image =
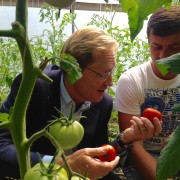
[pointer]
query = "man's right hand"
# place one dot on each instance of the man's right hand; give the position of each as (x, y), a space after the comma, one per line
(141, 129)
(86, 158)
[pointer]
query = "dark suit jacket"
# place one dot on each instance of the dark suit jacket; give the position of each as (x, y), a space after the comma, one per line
(40, 110)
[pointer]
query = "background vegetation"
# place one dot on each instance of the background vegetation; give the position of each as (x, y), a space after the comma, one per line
(50, 48)
(49, 44)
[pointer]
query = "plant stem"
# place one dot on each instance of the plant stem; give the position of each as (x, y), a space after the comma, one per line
(29, 77)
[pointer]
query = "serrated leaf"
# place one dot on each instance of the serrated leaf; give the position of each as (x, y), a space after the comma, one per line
(139, 10)
(168, 164)
(4, 117)
(169, 64)
(70, 65)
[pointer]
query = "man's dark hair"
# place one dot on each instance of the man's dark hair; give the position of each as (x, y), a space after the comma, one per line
(164, 22)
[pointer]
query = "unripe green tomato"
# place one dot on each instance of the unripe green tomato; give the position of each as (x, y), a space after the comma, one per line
(60, 3)
(67, 136)
(35, 174)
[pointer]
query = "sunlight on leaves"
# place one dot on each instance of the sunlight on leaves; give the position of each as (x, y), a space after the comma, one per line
(139, 10)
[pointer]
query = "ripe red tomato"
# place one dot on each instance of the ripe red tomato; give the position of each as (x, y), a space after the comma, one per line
(111, 153)
(151, 113)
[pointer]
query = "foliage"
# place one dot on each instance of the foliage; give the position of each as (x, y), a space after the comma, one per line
(46, 45)
(168, 163)
(16, 120)
(50, 43)
(137, 12)
(10, 64)
(169, 64)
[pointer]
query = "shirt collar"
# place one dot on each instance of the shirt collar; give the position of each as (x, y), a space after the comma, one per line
(63, 92)
(67, 100)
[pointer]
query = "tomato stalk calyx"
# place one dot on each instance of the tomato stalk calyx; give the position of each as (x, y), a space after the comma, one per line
(68, 132)
(50, 170)
(66, 121)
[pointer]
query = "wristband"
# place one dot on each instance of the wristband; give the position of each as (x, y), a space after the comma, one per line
(121, 143)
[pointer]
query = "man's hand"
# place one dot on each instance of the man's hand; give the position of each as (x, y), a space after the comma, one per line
(86, 158)
(164, 142)
(141, 129)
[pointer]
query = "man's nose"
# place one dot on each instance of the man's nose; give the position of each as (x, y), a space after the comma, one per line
(109, 81)
(164, 53)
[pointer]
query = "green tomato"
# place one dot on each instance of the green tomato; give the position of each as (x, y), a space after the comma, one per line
(35, 173)
(60, 3)
(68, 136)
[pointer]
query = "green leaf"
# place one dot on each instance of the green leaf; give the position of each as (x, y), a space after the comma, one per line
(4, 117)
(163, 69)
(168, 164)
(70, 65)
(176, 108)
(169, 64)
(139, 10)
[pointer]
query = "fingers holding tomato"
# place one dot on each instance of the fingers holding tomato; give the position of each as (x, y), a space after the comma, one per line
(110, 155)
(151, 113)
(155, 117)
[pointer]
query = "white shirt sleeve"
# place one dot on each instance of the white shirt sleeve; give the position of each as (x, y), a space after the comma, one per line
(127, 95)
(47, 158)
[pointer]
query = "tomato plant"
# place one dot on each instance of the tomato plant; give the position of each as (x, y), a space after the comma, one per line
(68, 135)
(39, 172)
(151, 113)
(110, 155)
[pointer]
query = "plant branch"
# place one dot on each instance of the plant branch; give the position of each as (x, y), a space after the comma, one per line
(5, 124)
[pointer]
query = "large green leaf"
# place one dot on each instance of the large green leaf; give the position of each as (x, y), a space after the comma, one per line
(169, 64)
(139, 10)
(70, 65)
(168, 164)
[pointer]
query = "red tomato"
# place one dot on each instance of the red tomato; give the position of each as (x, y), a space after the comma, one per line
(111, 153)
(151, 113)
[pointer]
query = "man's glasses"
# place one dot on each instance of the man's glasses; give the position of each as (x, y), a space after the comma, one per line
(104, 76)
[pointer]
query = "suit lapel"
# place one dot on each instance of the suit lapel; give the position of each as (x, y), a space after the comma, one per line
(89, 125)
(54, 98)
